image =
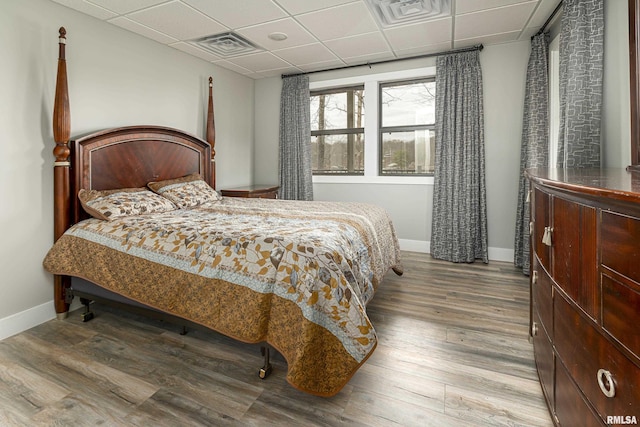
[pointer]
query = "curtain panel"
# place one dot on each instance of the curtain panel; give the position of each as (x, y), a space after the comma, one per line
(534, 150)
(459, 226)
(581, 74)
(295, 173)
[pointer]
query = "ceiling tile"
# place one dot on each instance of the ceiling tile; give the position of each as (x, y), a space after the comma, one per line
(364, 44)
(296, 7)
(133, 26)
(177, 20)
(424, 50)
(126, 6)
(493, 39)
(233, 67)
(323, 65)
(307, 54)
(493, 21)
(239, 13)
(466, 6)
(339, 21)
(373, 57)
(193, 50)
(417, 35)
(87, 8)
(259, 34)
(276, 72)
(258, 62)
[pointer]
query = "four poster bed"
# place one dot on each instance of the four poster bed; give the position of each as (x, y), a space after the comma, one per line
(137, 220)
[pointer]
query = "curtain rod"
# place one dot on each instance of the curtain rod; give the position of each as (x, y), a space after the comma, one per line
(549, 19)
(369, 64)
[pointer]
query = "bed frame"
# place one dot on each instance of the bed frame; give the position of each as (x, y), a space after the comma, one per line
(119, 158)
(116, 158)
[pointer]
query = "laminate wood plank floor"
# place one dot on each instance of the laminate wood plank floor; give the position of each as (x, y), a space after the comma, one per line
(453, 351)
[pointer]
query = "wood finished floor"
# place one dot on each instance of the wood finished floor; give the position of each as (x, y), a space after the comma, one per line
(453, 351)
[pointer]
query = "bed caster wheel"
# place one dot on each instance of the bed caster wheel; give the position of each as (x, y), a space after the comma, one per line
(86, 316)
(265, 372)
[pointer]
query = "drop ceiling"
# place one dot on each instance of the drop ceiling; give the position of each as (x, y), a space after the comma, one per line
(319, 34)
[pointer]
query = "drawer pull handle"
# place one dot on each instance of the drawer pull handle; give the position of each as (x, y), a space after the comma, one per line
(534, 277)
(534, 329)
(546, 237)
(605, 381)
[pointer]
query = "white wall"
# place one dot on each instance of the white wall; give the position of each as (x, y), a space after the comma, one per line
(116, 78)
(504, 71)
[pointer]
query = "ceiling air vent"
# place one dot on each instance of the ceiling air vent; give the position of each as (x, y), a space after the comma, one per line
(397, 12)
(226, 45)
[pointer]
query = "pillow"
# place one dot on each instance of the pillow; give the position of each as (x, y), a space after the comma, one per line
(186, 192)
(111, 204)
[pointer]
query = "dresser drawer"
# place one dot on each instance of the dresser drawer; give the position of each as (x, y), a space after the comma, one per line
(574, 254)
(543, 355)
(621, 312)
(541, 219)
(619, 237)
(541, 293)
(571, 409)
(584, 352)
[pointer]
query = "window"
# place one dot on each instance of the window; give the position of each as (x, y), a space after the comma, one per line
(407, 127)
(337, 131)
(393, 143)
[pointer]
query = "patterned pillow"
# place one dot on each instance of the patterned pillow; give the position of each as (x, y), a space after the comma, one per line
(110, 204)
(186, 192)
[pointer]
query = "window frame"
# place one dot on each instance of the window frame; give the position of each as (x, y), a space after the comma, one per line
(341, 131)
(399, 128)
(371, 134)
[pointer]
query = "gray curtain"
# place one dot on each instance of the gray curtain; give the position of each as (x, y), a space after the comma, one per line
(295, 171)
(534, 151)
(581, 71)
(459, 226)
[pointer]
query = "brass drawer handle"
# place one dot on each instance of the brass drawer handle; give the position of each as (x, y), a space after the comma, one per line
(605, 381)
(546, 237)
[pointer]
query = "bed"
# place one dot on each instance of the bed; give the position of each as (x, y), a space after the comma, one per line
(137, 220)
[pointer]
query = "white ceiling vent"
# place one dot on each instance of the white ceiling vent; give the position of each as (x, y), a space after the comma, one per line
(227, 45)
(396, 12)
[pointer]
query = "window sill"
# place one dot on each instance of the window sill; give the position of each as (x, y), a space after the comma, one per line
(346, 179)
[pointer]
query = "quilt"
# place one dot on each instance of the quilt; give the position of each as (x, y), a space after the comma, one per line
(297, 275)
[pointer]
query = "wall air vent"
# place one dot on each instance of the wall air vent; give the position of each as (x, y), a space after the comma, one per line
(397, 12)
(226, 45)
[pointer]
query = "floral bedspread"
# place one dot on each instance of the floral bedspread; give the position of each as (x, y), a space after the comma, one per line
(297, 275)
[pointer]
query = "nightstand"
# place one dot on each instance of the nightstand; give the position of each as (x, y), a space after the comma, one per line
(253, 191)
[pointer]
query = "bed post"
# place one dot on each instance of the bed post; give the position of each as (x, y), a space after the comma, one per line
(211, 133)
(61, 186)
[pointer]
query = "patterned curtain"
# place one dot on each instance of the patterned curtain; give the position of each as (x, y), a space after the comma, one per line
(295, 172)
(581, 71)
(459, 226)
(535, 139)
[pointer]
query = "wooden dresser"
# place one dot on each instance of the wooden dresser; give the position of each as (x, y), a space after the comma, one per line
(253, 191)
(585, 293)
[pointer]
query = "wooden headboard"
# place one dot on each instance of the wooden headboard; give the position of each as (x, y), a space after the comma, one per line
(123, 157)
(133, 156)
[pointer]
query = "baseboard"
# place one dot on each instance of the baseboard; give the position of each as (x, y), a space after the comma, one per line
(414, 246)
(26, 319)
(495, 254)
(501, 254)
